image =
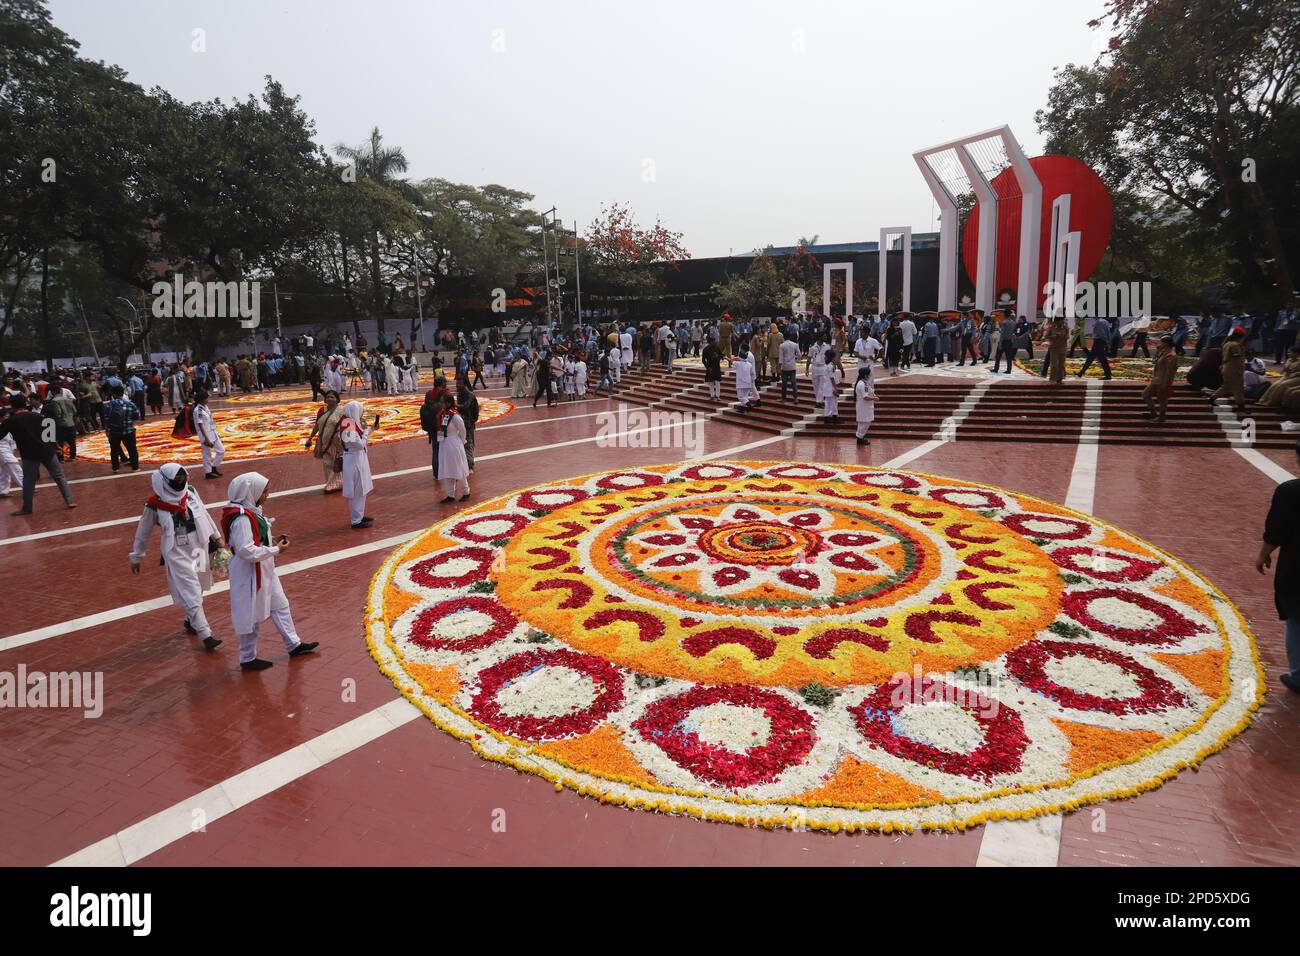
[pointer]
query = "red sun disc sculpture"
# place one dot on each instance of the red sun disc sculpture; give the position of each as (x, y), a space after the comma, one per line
(1090, 215)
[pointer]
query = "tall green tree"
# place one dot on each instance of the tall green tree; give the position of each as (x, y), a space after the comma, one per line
(380, 164)
(1188, 105)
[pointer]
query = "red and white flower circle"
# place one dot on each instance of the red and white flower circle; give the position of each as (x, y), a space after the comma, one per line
(614, 633)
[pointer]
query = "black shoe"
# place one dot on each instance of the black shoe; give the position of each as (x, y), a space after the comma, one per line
(446, 501)
(464, 497)
(211, 643)
(1291, 683)
(257, 664)
(189, 628)
(306, 647)
(217, 473)
(211, 476)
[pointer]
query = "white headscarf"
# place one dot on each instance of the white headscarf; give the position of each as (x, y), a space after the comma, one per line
(160, 478)
(245, 489)
(353, 411)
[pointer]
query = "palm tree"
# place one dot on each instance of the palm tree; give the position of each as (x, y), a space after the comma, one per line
(380, 164)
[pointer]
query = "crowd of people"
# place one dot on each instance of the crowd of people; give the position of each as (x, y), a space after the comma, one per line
(42, 416)
(559, 366)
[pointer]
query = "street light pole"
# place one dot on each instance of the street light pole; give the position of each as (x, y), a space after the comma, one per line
(559, 279)
(419, 298)
(135, 315)
(275, 290)
(577, 269)
(546, 265)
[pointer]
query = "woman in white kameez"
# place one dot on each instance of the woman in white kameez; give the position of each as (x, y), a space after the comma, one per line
(391, 375)
(453, 466)
(625, 346)
(745, 390)
(834, 375)
(864, 395)
(255, 591)
(819, 372)
(580, 378)
(187, 533)
(520, 375)
(357, 483)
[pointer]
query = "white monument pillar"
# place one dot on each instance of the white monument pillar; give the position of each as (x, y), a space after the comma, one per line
(827, 269)
(1028, 295)
(947, 237)
(882, 289)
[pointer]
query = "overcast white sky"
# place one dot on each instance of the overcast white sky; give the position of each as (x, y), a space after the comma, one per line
(759, 121)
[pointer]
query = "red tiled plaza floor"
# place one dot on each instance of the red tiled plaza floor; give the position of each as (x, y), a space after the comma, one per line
(178, 721)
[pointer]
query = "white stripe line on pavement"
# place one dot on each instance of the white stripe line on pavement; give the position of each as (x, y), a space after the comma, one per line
(142, 473)
(77, 529)
(1037, 842)
(1265, 464)
(167, 826)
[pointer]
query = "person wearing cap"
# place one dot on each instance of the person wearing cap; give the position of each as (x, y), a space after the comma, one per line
(1161, 385)
(1282, 534)
(255, 591)
(214, 452)
(189, 535)
(725, 328)
(1233, 370)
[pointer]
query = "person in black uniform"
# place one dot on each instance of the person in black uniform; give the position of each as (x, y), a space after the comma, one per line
(1282, 534)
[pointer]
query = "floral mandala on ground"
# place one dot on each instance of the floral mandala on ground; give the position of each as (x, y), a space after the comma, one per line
(833, 646)
(260, 430)
(302, 393)
(1121, 367)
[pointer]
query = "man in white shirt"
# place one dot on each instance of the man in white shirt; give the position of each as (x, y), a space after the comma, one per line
(908, 328)
(661, 337)
(866, 348)
(788, 357)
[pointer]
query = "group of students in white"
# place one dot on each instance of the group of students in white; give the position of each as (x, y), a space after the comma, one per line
(827, 375)
(376, 372)
(193, 546)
